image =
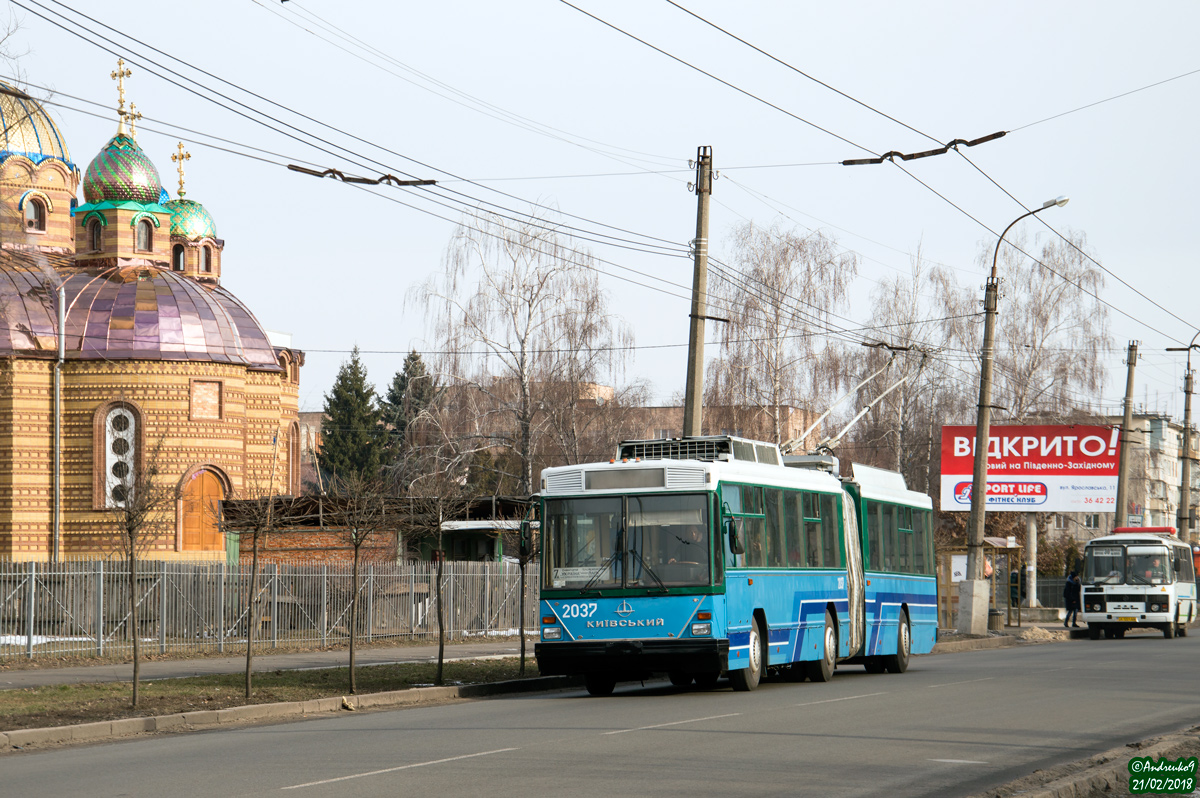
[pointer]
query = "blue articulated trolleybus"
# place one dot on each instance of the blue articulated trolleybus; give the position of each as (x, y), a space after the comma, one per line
(699, 557)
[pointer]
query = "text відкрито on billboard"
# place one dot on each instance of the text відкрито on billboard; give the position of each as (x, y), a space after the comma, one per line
(1055, 469)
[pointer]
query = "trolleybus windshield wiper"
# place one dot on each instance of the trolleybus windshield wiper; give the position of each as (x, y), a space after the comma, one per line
(649, 570)
(600, 570)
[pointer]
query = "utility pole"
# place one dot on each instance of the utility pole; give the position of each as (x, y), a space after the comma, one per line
(693, 402)
(973, 591)
(1185, 489)
(1121, 516)
(973, 600)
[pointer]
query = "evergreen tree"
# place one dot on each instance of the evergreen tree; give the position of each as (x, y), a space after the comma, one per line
(412, 390)
(351, 443)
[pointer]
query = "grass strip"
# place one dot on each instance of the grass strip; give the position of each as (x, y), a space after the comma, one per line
(61, 705)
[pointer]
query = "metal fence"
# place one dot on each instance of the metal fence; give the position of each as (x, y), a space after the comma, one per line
(82, 608)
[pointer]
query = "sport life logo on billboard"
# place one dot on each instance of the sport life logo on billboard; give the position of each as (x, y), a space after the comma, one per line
(1023, 493)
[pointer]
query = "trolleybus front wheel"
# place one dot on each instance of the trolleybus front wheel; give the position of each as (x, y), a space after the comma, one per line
(1180, 626)
(898, 662)
(1169, 630)
(821, 670)
(600, 684)
(747, 678)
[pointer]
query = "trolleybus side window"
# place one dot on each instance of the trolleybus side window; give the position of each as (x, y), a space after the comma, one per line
(831, 554)
(889, 538)
(920, 539)
(776, 551)
(794, 529)
(904, 539)
(812, 531)
(874, 539)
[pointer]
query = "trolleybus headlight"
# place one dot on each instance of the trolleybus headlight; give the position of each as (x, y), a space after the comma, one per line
(701, 629)
(1153, 608)
(552, 633)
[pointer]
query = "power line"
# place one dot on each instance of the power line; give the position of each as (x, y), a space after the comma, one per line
(286, 108)
(802, 73)
(723, 82)
(1106, 100)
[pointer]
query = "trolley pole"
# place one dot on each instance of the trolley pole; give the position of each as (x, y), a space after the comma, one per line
(1121, 516)
(693, 402)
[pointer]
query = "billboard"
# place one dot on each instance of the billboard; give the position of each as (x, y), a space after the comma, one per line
(1041, 469)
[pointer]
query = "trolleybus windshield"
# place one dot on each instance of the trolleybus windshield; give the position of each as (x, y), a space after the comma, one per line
(638, 541)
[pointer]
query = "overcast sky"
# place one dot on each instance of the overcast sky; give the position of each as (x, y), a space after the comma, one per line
(535, 99)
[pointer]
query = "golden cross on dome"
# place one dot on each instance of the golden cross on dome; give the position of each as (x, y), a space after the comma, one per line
(133, 116)
(179, 158)
(119, 76)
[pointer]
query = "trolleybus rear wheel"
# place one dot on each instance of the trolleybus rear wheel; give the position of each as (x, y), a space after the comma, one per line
(679, 678)
(746, 679)
(600, 684)
(898, 662)
(821, 670)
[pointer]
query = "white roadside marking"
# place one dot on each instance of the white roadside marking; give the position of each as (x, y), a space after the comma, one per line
(960, 761)
(968, 681)
(675, 723)
(399, 767)
(831, 700)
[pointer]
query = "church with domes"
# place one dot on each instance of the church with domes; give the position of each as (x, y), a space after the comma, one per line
(119, 346)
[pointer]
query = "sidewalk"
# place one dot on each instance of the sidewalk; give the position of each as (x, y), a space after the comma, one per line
(298, 660)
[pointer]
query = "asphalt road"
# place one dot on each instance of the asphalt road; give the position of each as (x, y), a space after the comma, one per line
(953, 725)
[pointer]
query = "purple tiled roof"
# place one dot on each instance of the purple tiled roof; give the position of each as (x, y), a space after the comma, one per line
(136, 312)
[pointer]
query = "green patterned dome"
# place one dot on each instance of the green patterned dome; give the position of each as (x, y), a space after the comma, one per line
(121, 172)
(190, 220)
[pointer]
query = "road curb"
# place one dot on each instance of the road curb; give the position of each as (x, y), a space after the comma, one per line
(955, 646)
(1106, 773)
(24, 739)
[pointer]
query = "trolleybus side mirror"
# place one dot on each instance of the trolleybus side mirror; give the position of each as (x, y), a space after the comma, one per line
(1176, 563)
(735, 540)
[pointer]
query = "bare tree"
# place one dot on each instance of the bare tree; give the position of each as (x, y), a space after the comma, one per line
(359, 513)
(253, 523)
(779, 296)
(434, 475)
(517, 306)
(138, 502)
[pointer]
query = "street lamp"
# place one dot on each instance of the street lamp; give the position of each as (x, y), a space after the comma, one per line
(1184, 516)
(973, 591)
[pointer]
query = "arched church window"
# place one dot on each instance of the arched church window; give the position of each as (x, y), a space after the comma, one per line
(145, 235)
(35, 215)
(205, 259)
(177, 257)
(94, 231)
(120, 456)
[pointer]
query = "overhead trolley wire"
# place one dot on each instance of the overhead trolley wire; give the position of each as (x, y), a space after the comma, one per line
(289, 110)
